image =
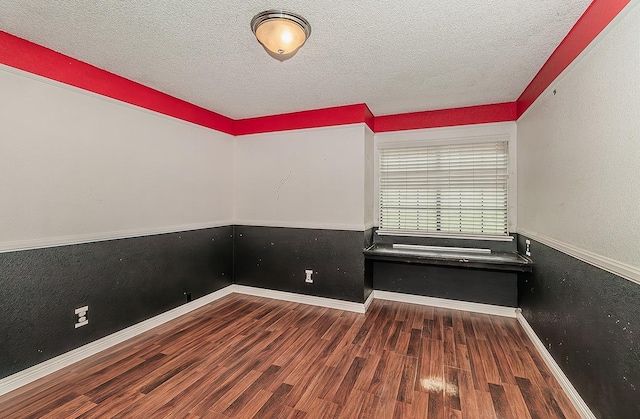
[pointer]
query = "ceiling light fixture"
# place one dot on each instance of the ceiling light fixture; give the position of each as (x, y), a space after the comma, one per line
(281, 33)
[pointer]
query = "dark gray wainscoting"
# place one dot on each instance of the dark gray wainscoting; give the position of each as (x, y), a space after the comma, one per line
(589, 320)
(122, 281)
(276, 258)
(368, 265)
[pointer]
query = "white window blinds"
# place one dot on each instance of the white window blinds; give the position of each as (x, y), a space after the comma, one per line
(458, 189)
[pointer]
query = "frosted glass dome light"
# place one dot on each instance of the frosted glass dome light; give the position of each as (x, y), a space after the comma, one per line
(281, 33)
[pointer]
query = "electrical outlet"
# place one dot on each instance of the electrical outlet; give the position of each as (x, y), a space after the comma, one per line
(528, 251)
(81, 316)
(308, 273)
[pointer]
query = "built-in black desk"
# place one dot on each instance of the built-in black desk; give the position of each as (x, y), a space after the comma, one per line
(502, 261)
(487, 277)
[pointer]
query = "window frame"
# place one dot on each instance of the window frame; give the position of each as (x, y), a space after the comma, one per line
(492, 132)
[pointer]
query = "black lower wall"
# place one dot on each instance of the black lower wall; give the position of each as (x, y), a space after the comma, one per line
(589, 319)
(276, 258)
(368, 265)
(122, 281)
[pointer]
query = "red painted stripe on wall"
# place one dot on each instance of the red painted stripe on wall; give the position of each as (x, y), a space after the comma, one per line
(340, 115)
(499, 112)
(33, 58)
(24, 55)
(597, 16)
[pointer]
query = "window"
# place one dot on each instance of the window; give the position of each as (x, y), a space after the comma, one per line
(446, 189)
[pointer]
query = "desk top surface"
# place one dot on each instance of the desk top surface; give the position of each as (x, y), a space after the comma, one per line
(456, 257)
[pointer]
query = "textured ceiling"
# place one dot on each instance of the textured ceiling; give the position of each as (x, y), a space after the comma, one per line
(395, 56)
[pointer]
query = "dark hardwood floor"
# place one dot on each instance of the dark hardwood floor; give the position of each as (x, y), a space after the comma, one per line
(246, 357)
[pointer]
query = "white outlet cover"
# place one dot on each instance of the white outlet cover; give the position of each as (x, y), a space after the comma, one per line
(82, 323)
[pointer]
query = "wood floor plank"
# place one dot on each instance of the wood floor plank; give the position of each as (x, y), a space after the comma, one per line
(462, 357)
(234, 392)
(312, 388)
(452, 388)
(366, 375)
(516, 402)
(403, 343)
(542, 368)
(419, 405)
(458, 328)
(348, 382)
(71, 409)
(394, 334)
(366, 410)
(377, 381)
(244, 356)
(391, 379)
(401, 410)
(489, 362)
(537, 406)
(354, 408)
(254, 405)
(193, 391)
(485, 405)
(407, 381)
(323, 409)
(436, 333)
(112, 406)
(436, 405)
(273, 407)
(478, 373)
(413, 348)
(550, 398)
(502, 364)
(564, 403)
(467, 325)
(250, 391)
(231, 378)
(468, 404)
(449, 342)
(500, 401)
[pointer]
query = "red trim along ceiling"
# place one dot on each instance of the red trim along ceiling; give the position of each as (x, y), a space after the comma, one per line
(499, 112)
(33, 58)
(340, 115)
(597, 16)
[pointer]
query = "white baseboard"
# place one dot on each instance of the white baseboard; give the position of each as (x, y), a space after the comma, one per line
(300, 298)
(566, 385)
(36, 372)
(52, 365)
(444, 303)
(368, 301)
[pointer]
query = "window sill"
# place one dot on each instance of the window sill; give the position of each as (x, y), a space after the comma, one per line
(402, 233)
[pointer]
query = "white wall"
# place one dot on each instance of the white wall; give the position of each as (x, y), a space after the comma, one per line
(310, 178)
(75, 166)
(579, 151)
